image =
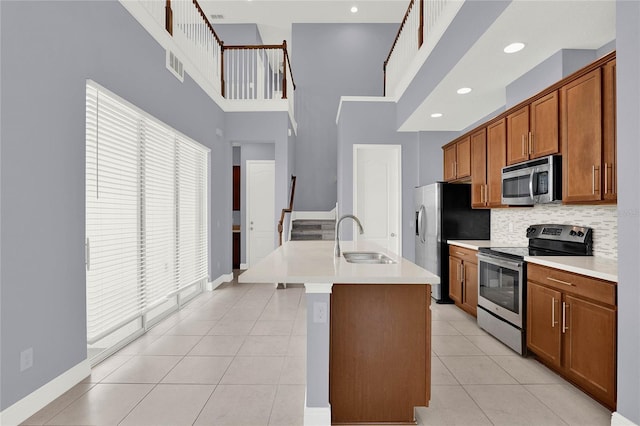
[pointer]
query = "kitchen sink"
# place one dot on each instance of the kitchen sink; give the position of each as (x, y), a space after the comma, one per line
(367, 257)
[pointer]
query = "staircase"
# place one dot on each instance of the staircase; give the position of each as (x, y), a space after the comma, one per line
(313, 229)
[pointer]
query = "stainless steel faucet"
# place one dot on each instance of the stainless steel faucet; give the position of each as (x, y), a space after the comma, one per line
(336, 247)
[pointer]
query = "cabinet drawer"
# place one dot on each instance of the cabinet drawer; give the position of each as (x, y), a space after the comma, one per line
(463, 253)
(568, 282)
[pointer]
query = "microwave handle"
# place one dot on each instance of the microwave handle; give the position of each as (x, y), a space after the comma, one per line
(533, 172)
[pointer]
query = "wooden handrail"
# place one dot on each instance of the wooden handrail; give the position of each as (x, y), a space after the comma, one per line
(395, 41)
(286, 210)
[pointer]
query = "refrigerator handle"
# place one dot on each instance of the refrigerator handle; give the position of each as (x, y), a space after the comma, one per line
(421, 230)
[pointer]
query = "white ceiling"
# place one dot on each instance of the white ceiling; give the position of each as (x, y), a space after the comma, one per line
(545, 26)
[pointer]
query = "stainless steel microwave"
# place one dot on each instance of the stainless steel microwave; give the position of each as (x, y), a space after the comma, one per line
(533, 182)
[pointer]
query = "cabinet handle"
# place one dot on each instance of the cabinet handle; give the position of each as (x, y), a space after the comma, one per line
(523, 145)
(481, 194)
(561, 282)
(553, 312)
(462, 269)
(606, 178)
(530, 143)
(486, 194)
(453, 169)
(460, 253)
(593, 179)
(564, 317)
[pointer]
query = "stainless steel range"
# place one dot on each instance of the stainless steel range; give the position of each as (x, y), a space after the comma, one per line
(502, 278)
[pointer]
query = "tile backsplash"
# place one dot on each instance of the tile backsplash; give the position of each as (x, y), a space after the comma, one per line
(509, 225)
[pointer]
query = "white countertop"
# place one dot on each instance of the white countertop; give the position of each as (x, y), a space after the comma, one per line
(591, 266)
(313, 262)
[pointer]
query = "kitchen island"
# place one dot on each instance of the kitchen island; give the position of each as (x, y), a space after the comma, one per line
(368, 331)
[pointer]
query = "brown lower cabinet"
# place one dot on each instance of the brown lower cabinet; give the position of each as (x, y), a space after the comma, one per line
(571, 327)
(463, 278)
(380, 352)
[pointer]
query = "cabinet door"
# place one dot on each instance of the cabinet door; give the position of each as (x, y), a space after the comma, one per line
(590, 347)
(455, 279)
(463, 158)
(449, 166)
(470, 288)
(544, 126)
(479, 169)
(581, 124)
(609, 190)
(496, 160)
(544, 322)
(518, 136)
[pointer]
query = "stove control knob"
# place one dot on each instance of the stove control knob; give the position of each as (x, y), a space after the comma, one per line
(573, 233)
(580, 234)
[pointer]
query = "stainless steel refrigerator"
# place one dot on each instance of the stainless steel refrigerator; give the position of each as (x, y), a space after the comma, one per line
(443, 212)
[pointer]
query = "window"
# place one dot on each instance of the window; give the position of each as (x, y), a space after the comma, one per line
(146, 217)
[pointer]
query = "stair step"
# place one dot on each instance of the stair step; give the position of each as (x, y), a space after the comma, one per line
(313, 224)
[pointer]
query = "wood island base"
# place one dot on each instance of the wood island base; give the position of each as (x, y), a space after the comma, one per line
(380, 352)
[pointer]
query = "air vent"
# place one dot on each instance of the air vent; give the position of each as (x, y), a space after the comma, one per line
(216, 17)
(175, 65)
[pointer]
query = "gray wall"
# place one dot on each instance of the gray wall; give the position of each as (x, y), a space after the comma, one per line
(250, 151)
(265, 127)
(329, 61)
(49, 49)
(374, 123)
(628, 135)
(238, 34)
(430, 155)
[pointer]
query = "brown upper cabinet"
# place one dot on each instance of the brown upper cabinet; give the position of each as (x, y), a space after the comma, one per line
(610, 191)
(457, 159)
(533, 130)
(488, 157)
(581, 123)
(479, 168)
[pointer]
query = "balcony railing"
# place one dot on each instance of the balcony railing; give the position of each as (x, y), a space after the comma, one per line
(421, 20)
(251, 72)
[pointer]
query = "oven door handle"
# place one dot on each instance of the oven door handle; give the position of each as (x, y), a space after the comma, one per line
(500, 262)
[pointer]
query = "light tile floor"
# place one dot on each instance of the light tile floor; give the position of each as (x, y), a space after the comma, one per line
(236, 356)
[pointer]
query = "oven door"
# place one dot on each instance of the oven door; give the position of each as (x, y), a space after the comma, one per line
(501, 287)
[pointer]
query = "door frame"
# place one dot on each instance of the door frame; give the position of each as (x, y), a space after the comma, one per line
(396, 147)
(248, 164)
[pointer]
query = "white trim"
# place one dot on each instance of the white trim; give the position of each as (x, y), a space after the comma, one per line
(244, 266)
(318, 288)
(316, 416)
(361, 99)
(224, 278)
(314, 215)
(44, 395)
(617, 419)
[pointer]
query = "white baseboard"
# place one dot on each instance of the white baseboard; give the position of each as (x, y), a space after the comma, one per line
(317, 416)
(41, 397)
(225, 278)
(244, 266)
(618, 419)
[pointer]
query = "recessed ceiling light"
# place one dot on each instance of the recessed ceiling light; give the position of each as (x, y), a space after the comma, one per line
(464, 90)
(354, 9)
(514, 47)
(436, 115)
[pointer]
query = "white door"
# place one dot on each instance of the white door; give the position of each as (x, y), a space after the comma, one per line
(260, 216)
(377, 196)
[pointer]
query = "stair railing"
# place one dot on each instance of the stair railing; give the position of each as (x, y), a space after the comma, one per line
(251, 72)
(286, 210)
(417, 26)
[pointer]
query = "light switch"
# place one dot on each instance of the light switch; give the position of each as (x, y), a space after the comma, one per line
(320, 312)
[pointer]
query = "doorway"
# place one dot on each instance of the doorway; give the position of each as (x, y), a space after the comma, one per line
(260, 214)
(377, 194)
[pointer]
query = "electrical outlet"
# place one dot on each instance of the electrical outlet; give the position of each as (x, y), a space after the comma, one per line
(319, 312)
(26, 359)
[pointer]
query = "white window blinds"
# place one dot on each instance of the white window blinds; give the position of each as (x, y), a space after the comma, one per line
(146, 212)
